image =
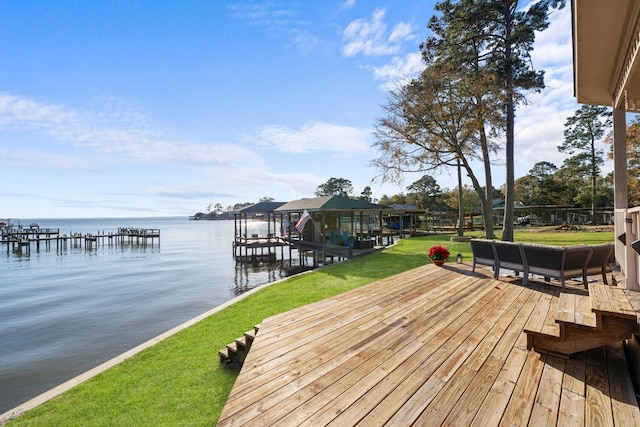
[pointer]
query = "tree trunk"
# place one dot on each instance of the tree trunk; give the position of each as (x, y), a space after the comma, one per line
(594, 174)
(507, 227)
(487, 205)
(460, 205)
(509, 203)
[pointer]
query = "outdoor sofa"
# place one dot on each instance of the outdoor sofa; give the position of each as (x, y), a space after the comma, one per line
(509, 256)
(484, 254)
(557, 262)
(497, 254)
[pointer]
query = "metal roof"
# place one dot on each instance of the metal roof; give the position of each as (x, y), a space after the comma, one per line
(329, 203)
(261, 207)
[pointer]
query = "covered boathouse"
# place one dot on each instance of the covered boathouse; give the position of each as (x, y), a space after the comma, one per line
(338, 226)
(251, 246)
(331, 227)
(446, 346)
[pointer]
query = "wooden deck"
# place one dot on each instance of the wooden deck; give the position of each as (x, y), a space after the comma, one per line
(432, 346)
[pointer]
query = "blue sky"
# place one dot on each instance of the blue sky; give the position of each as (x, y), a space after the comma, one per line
(153, 108)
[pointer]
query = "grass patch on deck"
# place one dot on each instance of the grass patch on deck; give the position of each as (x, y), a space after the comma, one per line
(180, 381)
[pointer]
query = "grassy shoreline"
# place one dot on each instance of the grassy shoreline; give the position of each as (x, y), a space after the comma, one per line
(179, 380)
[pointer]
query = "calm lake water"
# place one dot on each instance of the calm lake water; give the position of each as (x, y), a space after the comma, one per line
(63, 314)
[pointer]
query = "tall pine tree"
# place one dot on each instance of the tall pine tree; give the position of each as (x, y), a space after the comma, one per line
(493, 38)
(582, 130)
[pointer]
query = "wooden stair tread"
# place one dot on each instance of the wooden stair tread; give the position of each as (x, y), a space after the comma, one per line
(603, 317)
(232, 348)
(610, 300)
(250, 335)
(235, 351)
(241, 343)
(224, 355)
(575, 309)
(542, 319)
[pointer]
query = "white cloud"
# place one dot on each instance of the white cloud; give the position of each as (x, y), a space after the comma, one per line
(400, 32)
(263, 14)
(298, 183)
(277, 19)
(316, 136)
(303, 40)
(186, 192)
(113, 135)
(399, 69)
(553, 46)
(16, 112)
(539, 127)
(348, 4)
(371, 38)
(540, 124)
(36, 160)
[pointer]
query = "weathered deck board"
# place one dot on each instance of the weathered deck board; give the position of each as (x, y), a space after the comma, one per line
(536, 322)
(547, 402)
(330, 348)
(566, 308)
(436, 344)
(622, 393)
(583, 314)
(474, 397)
(598, 401)
(440, 364)
(572, 401)
(362, 353)
(518, 409)
(433, 346)
(550, 326)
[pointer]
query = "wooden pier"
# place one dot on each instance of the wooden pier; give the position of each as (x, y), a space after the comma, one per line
(19, 239)
(257, 249)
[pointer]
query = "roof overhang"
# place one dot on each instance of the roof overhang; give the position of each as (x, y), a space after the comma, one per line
(606, 49)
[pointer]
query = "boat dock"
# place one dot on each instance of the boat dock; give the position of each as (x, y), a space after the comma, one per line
(256, 249)
(20, 239)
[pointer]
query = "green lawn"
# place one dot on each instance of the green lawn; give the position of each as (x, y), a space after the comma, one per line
(180, 381)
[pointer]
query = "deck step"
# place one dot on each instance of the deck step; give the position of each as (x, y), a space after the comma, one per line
(542, 320)
(236, 351)
(241, 343)
(610, 300)
(225, 357)
(251, 335)
(232, 348)
(603, 317)
(575, 309)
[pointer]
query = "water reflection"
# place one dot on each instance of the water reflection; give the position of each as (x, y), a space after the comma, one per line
(249, 276)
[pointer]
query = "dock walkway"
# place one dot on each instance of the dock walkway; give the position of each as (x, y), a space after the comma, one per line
(431, 346)
(19, 239)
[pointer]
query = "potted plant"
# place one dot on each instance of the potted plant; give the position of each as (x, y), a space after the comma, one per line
(438, 254)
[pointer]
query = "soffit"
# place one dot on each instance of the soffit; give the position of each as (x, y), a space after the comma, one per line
(606, 42)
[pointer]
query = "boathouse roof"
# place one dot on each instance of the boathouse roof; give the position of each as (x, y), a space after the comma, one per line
(401, 207)
(261, 207)
(329, 203)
